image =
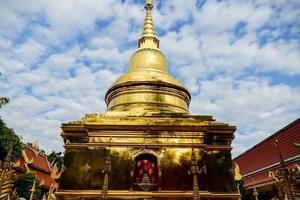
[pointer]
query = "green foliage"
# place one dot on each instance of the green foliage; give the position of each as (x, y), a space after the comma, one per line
(241, 187)
(9, 139)
(24, 184)
(3, 101)
(57, 157)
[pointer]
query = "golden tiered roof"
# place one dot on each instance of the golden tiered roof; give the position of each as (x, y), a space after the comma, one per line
(147, 87)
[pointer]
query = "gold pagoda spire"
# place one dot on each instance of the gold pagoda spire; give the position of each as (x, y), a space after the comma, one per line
(148, 25)
(147, 87)
(149, 38)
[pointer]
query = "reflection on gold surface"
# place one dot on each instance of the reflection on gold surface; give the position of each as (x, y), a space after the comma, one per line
(127, 118)
(174, 155)
(177, 155)
(147, 87)
(148, 58)
(146, 140)
(148, 98)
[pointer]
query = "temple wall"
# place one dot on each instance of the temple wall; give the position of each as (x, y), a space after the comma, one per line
(84, 170)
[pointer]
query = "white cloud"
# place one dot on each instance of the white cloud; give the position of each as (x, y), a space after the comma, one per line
(60, 63)
(4, 43)
(29, 52)
(57, 61)
(9, 65)
(174, 11)
(257, 108)
(281, 56)
(68, 17)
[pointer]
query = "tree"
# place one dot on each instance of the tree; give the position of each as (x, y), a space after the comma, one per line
(8, 138)
(24, 185)
(57, 157)
(3, 101)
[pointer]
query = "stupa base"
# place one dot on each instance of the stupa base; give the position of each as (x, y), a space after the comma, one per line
(125, 194)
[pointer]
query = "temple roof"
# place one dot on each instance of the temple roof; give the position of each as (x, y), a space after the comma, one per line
(256, 162)
(36, 162)
(251, 160)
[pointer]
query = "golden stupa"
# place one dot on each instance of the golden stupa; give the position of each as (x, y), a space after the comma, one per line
(147, 87)
(147, 145)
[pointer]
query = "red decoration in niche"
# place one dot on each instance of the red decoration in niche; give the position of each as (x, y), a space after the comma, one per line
(146, 171)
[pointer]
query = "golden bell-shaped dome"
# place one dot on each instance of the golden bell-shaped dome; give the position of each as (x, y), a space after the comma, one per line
(148, 58)
(147, 87)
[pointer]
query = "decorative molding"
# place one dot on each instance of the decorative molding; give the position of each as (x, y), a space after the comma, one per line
(270, 166)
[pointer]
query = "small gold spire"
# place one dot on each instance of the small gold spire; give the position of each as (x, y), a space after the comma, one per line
(148, 27)
(148, 39)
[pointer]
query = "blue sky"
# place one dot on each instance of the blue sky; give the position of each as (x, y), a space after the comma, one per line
(239, 59)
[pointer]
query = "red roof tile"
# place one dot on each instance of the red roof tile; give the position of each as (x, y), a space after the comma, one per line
(44, 178)
(265, 153)
(40, 160)
(39, 166)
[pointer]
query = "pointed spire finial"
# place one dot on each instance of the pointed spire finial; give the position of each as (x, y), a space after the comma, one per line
(148, 25)
(148, 31)
(148, 5)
